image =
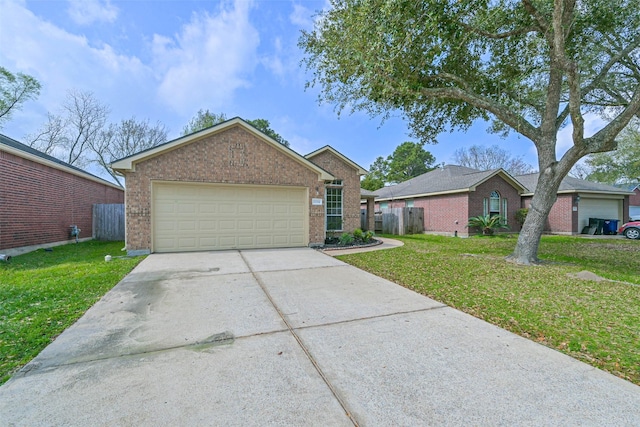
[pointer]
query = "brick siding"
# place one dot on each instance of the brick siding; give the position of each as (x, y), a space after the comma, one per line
(449, 214)
(445, 214)
(562, 218)
(38, 203)
(350, 190)
(234, 156)
(634, 199)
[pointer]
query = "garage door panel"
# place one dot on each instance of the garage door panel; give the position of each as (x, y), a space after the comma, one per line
(262, 225)
(190, 217)
(244, 225)
(227, 208)
(207, 208)
(207, 226)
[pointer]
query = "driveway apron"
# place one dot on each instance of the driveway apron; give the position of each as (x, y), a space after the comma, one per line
(296, 337)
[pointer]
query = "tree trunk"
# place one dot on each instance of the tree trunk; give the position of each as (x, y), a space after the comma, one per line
(546, 193)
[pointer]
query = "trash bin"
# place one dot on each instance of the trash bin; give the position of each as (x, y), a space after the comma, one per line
(610, 226)
(598, 223)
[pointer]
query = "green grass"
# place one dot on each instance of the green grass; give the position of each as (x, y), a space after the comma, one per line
(44, 292)
(596, 322)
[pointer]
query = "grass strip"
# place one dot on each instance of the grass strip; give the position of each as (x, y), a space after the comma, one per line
(45, 291)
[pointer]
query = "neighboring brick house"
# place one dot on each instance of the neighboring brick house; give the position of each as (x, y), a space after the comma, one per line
(231, 186)
(578, 200)
(450, 195)
(41, 197)
(634, 200)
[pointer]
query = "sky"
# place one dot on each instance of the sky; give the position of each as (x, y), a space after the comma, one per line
(164, 60)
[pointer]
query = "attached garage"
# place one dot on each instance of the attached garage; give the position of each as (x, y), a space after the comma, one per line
(199, 217)
(231, 186)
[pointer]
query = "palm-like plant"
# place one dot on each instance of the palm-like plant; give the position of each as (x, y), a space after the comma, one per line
(487, 223)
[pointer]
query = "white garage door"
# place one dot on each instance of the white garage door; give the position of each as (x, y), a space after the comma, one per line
(597, 208)
(197, 217)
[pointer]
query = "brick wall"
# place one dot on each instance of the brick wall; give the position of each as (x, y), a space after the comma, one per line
(634, 200)
(350, 190)
(562, 218)
(38, 203)
(445, 214)
(234, 156)
(483, 191)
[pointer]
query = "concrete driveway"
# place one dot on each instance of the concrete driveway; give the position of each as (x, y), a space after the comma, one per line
(296, 337)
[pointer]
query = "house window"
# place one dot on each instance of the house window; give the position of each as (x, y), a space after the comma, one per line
(494, 203)
(409, 204)
(333, 205)
(384, 205)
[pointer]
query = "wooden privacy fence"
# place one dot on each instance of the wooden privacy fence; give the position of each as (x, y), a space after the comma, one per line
(108, 222)
(400, 221)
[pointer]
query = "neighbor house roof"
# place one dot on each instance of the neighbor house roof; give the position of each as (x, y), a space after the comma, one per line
(360, 169)
(571, 185)
(21, 150)
(444, 180)
(129, 163)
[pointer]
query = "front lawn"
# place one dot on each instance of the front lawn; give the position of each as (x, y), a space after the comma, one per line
(597, 322)
(44, 292)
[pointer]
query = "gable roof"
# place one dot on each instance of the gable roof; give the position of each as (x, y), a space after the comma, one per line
(448, 179)
(21, 150)
(571, 185)
(361, 170)
(128, 164)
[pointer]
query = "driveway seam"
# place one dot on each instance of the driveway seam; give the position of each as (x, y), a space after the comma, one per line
(304, 348)
(377, 316)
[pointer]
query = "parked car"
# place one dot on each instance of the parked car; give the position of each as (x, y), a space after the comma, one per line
(631, 230)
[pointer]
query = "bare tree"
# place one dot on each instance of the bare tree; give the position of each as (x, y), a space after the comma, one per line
(487, 158)
(580, 171)
(124, 139)
(69, 135)
(50, 135)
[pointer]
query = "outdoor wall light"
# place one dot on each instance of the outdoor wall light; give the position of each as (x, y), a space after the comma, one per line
(577, 199)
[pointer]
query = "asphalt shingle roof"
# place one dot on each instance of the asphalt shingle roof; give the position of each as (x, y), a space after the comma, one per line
(447, 178)
(570, 184)
(5, 140)
(451, 178)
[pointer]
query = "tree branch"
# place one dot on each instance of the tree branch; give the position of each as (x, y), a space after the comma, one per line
(516, 121)
(498, 36)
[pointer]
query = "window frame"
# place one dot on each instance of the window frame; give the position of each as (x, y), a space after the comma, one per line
(334, 205)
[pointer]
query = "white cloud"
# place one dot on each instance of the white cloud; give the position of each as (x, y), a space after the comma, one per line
(87, 12)
(274, 62)
(211, 57)
(301, 16)
(62, 61)
(592, 124)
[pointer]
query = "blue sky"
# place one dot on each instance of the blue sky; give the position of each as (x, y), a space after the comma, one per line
(164, 60)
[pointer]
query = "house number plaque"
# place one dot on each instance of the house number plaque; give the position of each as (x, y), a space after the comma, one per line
(237, 154)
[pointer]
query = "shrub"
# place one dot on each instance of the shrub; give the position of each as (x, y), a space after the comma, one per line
(358, 235)
(346, 239)
(488, 224)
(368, 236)
(521, 215)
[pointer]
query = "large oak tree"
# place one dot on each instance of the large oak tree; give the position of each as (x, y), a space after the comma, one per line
(529, 66)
